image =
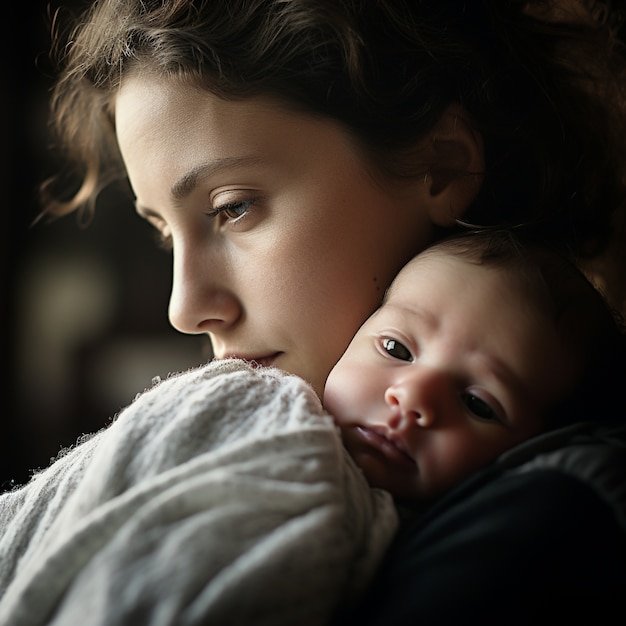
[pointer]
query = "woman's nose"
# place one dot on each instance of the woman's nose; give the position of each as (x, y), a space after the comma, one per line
(419, 396)
(200, 302)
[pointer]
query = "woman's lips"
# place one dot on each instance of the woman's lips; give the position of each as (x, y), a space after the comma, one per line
(264, 361)
(393, 451)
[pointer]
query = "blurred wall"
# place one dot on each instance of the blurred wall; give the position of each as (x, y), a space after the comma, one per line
(83, 311)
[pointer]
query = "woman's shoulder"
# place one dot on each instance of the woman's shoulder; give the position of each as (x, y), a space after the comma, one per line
(593, 454)
(537, 536)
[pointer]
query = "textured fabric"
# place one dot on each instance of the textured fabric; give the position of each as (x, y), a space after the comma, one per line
(222, 495)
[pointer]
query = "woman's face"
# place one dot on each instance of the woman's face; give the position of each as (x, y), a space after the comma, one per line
(283, 242)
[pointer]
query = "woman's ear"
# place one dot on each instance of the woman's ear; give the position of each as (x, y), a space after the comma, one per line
(457, 166)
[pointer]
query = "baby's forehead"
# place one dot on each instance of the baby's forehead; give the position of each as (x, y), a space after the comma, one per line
(429, 265)
(540, 281)
(462, 261)
(437, 256)
(441, 278)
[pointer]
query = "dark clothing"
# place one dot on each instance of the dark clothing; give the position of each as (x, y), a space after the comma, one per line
(538, 537)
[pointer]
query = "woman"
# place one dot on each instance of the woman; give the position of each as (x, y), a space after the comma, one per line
(296, 154)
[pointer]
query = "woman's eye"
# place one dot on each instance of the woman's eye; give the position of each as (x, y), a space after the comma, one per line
(396, 349)
(480, 408)
(233, 210)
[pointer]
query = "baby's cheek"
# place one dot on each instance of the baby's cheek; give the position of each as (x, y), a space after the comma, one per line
(451, 458)
(334, 402)
(344, 394)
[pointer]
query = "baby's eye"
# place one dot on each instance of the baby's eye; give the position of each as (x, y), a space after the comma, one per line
(396, 349)
(480, 408)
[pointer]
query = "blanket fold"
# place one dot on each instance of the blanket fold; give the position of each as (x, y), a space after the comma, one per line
(221, 495)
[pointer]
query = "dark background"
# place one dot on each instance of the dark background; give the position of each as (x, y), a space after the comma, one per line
(83, 310)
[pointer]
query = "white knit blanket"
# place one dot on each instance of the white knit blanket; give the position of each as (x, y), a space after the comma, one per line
(222, 496)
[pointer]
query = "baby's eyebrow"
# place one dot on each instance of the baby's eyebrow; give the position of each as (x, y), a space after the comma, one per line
(388, 292)
(412, 311)
(501, 370)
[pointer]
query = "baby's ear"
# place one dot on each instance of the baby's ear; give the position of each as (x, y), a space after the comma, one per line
(457, 166)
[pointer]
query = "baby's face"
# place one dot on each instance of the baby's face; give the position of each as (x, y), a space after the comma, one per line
(454, 369)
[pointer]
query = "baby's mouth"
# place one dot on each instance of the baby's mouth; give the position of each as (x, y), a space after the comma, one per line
(395, 451)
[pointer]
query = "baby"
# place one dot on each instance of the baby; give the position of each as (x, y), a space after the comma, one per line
(481, 343)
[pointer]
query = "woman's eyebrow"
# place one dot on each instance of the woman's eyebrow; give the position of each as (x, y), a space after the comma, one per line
(188, 181)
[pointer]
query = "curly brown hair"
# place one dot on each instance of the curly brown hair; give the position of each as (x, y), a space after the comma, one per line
(542, 81)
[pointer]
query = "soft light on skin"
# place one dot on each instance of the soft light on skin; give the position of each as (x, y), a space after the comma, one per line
(307, 239)
(453, 370)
